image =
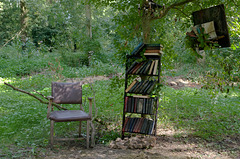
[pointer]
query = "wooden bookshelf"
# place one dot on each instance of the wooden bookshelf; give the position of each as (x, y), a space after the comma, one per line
(143, 67)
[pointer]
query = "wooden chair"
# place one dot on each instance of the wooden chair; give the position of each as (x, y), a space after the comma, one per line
(68, 93)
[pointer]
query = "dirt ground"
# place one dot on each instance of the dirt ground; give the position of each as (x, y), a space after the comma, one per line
(167, 146)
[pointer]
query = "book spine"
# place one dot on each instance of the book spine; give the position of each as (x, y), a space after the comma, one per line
(131, 67)
(125, 124)
(125, 104)
(129, 104)
(133, 87)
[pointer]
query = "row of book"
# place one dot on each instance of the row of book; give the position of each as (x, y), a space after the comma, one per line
(142, 46)
(143, 87)
(153, 52)
(139, 105)
(138, 125)
(145, 67)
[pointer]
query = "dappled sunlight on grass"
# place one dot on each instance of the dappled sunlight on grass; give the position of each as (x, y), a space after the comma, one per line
(209, 116)
(2, 80)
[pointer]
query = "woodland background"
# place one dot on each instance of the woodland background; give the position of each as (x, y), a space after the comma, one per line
(68, 40)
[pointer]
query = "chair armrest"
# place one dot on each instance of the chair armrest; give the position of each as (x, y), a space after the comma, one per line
(90, 105)
(50, 97)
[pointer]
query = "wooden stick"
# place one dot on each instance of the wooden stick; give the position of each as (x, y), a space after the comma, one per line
(20, 90)
(40, 94)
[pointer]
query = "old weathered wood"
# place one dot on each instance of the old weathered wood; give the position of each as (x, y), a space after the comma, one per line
(216, 14)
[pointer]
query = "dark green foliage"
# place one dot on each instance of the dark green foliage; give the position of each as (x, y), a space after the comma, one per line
(41, 34)
(9, 20)
(74, 59)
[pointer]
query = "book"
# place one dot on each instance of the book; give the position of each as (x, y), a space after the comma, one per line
(147, 127)
(135, 105)
(132, 66)
(151, 127)
(129, 103)
(140, 68)
(138, 49)
(125, 124)
(130, 120)
(125, 104)
(151, 105)
(151, 51)
(140, 105)
(139, 88)
(144, 126)
(132, 105)
(141, 96)
(140, 125)
(153, 46)
(143, 67)
(155, 67)
(135, 69)
(144, 91)
(144, 86)
(144, 106)
(147, 67)
(136, 125)
(132, 124)
(151, 68)
(136, 87)
(151, 88)
(131, 85)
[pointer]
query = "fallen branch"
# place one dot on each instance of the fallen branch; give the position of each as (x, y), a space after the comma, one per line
(40, 94)
(20, 90)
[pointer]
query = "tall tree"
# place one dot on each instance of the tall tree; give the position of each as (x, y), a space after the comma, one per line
(88, 18)
(151, 11)
(23, 20)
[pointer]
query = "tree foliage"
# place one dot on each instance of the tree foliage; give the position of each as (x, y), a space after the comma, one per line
(117, 25)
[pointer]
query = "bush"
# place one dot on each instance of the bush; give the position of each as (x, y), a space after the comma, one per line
(74, 59)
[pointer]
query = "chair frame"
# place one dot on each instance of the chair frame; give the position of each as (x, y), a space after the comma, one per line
(89, 121)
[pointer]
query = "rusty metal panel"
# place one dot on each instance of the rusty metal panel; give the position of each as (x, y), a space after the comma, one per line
(216, 14)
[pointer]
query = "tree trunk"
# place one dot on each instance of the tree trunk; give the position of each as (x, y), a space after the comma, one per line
(88, 19)
(89, 27)
(23, 21)
(146, 26)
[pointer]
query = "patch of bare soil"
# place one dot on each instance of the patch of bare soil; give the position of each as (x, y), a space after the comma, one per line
(179, 82)
(167, 147)
(91, 79)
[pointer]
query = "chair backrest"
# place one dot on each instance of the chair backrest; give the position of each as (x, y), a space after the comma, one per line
(67, 93)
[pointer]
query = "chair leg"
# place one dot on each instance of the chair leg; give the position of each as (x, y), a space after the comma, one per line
(51, 133)
(80, 128)
(88, 123)
(92, 135)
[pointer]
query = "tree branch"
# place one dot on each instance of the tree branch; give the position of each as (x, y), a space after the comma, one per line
(20, 90)
(40, 94)
(166, 10)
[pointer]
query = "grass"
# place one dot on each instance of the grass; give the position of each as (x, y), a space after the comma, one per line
(23, 116)
(211, 117)
(207, 114)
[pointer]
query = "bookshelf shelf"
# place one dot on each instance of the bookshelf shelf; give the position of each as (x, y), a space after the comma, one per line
(140, 106)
